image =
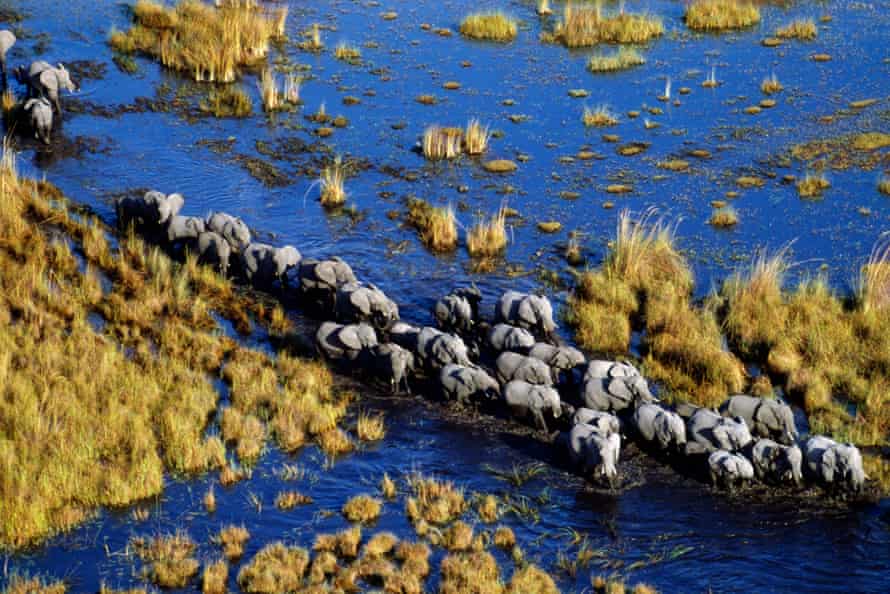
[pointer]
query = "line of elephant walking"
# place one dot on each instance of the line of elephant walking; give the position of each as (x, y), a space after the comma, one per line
(513, 363)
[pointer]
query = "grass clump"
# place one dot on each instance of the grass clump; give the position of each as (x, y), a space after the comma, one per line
(487, 239)
(599, 117)
(804, 29)
(332, 180)
(388, 487)
(347, 53)
(362, 508)
(475, 138)
(884, 186)
(437, 224)
(470, 572)
(275, 568)
(492, 26)
(724, 217)
(771, 85)
(623, 59)
(272, 96)
(434, 501)
(720, 15)
(170, 558)
(232, 539)
(584, 26)
(291, 499)
(487, 508)
(24, 584)
(213, 579)
(441, 143)
(203, 41)
(531, 578)
(812, 185)
(230, 101)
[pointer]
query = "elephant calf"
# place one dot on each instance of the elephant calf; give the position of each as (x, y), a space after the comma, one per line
(457, 312)
(595, 452)
(834, 464)
(513, 366)
(181, 229)
(531, 312)
(263, 264)
(467, 385)
(776, 463)
(707, 432)
(390, 362)
(320, 279)
(528, 401)
(602, 421)
(728, 469)
(214, 250)
(40, 116)
(660, 426)
(231, 228)
(503, 337)
(358, 302)
(765, 417)
(152, 210)
(345, 342)
(614, 387)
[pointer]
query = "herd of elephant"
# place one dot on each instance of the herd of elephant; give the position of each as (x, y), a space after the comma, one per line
(515, 363)
(43, 83)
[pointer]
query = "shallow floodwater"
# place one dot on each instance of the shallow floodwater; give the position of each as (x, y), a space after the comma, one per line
(689, 538)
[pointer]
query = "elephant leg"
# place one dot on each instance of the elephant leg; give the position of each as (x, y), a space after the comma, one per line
(538, 418)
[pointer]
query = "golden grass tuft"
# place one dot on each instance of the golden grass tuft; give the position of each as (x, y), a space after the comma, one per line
(442, 143)
(24, 584)
(724, 217)
(210, 500)
(487, 239)
(345, 543)
(812, 185)
(347, 53)
(487, 509)
(504, 538)
(720, 15)
(213, 580)
(458, 537)
(543, 8)
(469, 572)
(599, 117)
(499, 166)
(584, 25)
(370, 427)
(388, 487)
(246, 431)
(434, 501)
(333, 178)
(204, 42)
(8, 101)
(381, 544)
(232, 538)
(884, 186)
(623, 59)
(804, 29)
(291, 499)
(170, 558)
(230, 101)
(771, 85)
(275, 568)
(873, 287)
(490, 26)
(437, 225)
(531, 578)
(475, 138)
(362, 508)
(272, 96)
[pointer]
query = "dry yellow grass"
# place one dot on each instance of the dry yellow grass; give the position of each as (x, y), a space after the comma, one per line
(442, 143)
(490, 26)
(388, 487)
(272, 96)
(347, 53)
(724, 217)
(476, 137)
(623, 59)
(381, 544)
(804, 29)
(8, 101)
(531, 578)
(470, 572)
(434, 501)
(488, 509)
(598, 117)
(169, 559)
(771, 85)
(205, 42)
(436, 224)
(230, 101)
(213, 580)
(333, 178)
(291, 499)
(275, 568)
(812, 185)
(884, 186)
(370, 427)
(362, 508)
(487, 239)
(232, 538)
(24, 584)
(719, 15)
(584, 25)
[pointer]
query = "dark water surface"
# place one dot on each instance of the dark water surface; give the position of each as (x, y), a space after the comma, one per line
(725, 544)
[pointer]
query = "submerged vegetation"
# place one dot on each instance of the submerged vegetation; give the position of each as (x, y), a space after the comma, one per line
(719, 15)
(205, 42)
(491, 26)
(585, 25)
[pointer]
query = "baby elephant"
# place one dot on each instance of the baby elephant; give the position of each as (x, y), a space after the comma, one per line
(182, 229)
(603, 422)
(320, 279)
(467, 385)
(231, 228)
(833, 463)
(40, 115)
(728, 469)
(528, 401)
(345, 342)
(457, 312)
(214, 250)
(358, 302)
(391, 362)
(706, 432)
(531, 312)
(503, 337)
(765, 417)
(595, 452)
(776, 463)
(513, 366)
(663, 427)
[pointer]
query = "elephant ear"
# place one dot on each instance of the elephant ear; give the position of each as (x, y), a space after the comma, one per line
(828, 464)
(350, 338)
(360, 299)
(526, 312)
(721, 436)
(619, 389)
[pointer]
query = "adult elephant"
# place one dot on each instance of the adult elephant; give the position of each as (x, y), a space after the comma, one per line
(834, 464)
(766, 417)
(7, 40)
(707, 432)
(49, 82)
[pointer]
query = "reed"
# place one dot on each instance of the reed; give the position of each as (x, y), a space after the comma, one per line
(585, 25)
(491, 26)
(599, 117)
(272, 96)
(475, 138)
(720, 15)
(724, 217)
(804, 29)
(437, 224)
(622, 59)
(332, 182)
(771, 85)
(230, 101)
(442, 143)
(363, 509)
(487, 239)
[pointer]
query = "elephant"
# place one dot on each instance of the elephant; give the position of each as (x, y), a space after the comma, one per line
(405, 335)
(391, 362)
(345, 341)
(40, 115)
(457, 312)
(776, 463)
(437, 349)
(513, 366)
(151, 210)
(601, 369)
(604, 422)
(594, 451)
(531, 401)
(213, 249)
(233, 229)
(728, 469)
(833, 463)
(467, 384)
(615, 394)
(358, 302)
(48, 82)
(765, 417)
(655, 424)
(531, 312)
(707, 431)
(503, 337)
(7, 40)
(263, 264)
(562, 359)
(320, 279)
(184, 229)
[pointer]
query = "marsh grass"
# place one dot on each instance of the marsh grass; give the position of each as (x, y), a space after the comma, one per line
(213, 579)
(771, 85)
(442, 143)
(804, 29)
(884, 186)
(232, 538)
(492, 26)
(720, 15)
(169, 559)
(543, 8)
(275, 568)
(363, 509)
(434, 501)
(347, 53)
(599, 117)
(24, 584)
(812, 185)
(203, 41)
(370, 427)
(584, 25)
(724, 217)
(437, 225)
(475, 138)
(230, 101)
(622, 59)
(488, 238)
(272, 96)
(333, 178)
